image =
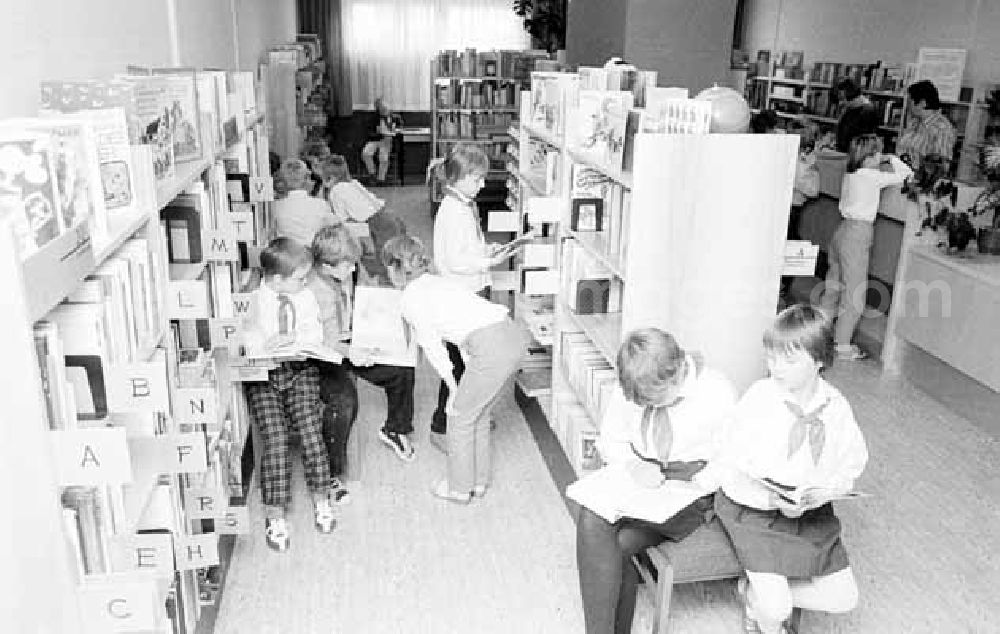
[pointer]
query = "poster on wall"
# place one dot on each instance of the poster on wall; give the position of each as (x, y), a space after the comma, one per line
(944, 67)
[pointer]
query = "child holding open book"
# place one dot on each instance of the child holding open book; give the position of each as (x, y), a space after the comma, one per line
(285, 316)
(439, 310)
(461, 252)
(665, 419)
(793, 447)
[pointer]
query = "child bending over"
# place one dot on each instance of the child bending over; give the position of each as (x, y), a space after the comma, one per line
(665, 419)
(797, 430)
(440, 310)
(288, 402)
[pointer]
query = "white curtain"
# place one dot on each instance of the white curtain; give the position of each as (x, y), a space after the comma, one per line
(389, 43)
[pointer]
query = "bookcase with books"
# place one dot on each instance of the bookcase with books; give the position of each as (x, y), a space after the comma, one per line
(475, 98)
(123, 240)
(657, 223)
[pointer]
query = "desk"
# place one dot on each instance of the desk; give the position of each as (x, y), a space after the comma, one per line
(416, 138)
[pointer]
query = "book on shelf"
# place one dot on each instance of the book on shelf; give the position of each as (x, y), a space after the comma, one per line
(596, 126)
(28, 183)
(152, 111)
(613, 494)
(551, 95)
(185, 112)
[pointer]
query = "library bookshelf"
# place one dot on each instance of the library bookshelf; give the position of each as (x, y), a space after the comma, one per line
(690, 240)
(157, 465)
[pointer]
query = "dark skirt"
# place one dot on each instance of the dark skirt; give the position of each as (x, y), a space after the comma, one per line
(767, 541)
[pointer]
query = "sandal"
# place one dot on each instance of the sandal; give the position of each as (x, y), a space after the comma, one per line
(325, 522)
(276, 534)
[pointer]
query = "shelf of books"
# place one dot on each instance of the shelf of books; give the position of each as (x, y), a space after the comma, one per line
(627, 172)
(124, 235)
(474, 99)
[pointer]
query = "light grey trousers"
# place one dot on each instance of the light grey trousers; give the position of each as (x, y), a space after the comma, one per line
(847, 278)
(492, 354)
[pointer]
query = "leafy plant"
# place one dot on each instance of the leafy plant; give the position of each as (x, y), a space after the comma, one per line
(544, 20)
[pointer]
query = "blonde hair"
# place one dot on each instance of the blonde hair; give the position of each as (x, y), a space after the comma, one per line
(862, 146)
(295, 174)
(335, 244)
(463, 159)
(407, 256)
(649, 364)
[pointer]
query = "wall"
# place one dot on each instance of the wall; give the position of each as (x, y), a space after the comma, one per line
(688, 43)
(70, 39)
(595, 31)
(854, 31)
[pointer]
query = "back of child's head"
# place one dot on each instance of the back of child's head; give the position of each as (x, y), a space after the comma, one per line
(334, 169)
(406, 255)
(314, 152)
(862, 146)
(807, 131)
(649, 362)
(463, 159)
(284, 256)
(764, 122)
(335, 244)
(295, 174)
(801, 327)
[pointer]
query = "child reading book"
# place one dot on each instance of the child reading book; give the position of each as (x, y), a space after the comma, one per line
(286, 315)
(868, 172)
(336, 256)
(794, 431)
(352, 202)
(299, 215)
(439, 309)
(665, 419)
(460, 250)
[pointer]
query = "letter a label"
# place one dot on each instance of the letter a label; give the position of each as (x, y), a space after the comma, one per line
(92, 456)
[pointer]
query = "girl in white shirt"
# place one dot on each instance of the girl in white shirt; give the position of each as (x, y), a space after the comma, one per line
(796, 430)
(439, 310)
(460, 250)
(868, 173)
(665, 419)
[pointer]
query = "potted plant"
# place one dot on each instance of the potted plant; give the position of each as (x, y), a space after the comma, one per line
(545, 21)
(989, 200)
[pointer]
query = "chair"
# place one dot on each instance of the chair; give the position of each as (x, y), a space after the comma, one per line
(705, 555)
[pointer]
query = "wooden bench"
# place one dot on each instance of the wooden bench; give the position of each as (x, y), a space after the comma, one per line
(706, 555)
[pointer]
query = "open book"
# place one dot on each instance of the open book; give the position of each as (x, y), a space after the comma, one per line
(378, 331)
(359, 203)
(298, 351)
(612, 493)
(794, 495)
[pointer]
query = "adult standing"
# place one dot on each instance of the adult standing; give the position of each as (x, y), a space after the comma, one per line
(929, 136)
(859, 116)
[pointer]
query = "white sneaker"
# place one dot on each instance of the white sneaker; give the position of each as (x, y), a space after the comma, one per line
(276, 534)
(399, 443)
(325, 521)
(850, 353)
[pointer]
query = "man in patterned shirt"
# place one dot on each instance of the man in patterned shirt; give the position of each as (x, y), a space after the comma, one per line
(930, 133)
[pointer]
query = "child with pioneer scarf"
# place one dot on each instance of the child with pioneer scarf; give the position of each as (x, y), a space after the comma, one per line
(664, 420)
(798, 431)
(286, 312)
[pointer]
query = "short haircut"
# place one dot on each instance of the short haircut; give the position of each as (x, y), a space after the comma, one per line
(335, 244)
(649, 364)
(296, 174)
(315, 151)
(406, 255)
(462, 160)
(802, 327)
(849, 87)
(763, 122)
(925, 90)
(334, 167)
(284, 256)
(862, 146)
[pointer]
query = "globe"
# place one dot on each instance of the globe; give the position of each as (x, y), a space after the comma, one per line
(730, 111)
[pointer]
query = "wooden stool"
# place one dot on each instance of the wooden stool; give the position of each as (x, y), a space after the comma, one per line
(706, 555)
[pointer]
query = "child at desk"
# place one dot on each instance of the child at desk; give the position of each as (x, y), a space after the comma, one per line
(666, 417)
(285, 311)
(795, 429)
(868, 173)
(460, 249)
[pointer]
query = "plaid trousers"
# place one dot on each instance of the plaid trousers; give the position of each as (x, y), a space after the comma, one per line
(289, 403)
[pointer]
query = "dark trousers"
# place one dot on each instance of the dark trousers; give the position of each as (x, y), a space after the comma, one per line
(340, 397)
(608, 579)
(439, 420)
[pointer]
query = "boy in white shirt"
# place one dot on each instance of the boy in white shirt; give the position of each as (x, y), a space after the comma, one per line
(665, 419)
(796, 430)
(285, 312)
(299, 215)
